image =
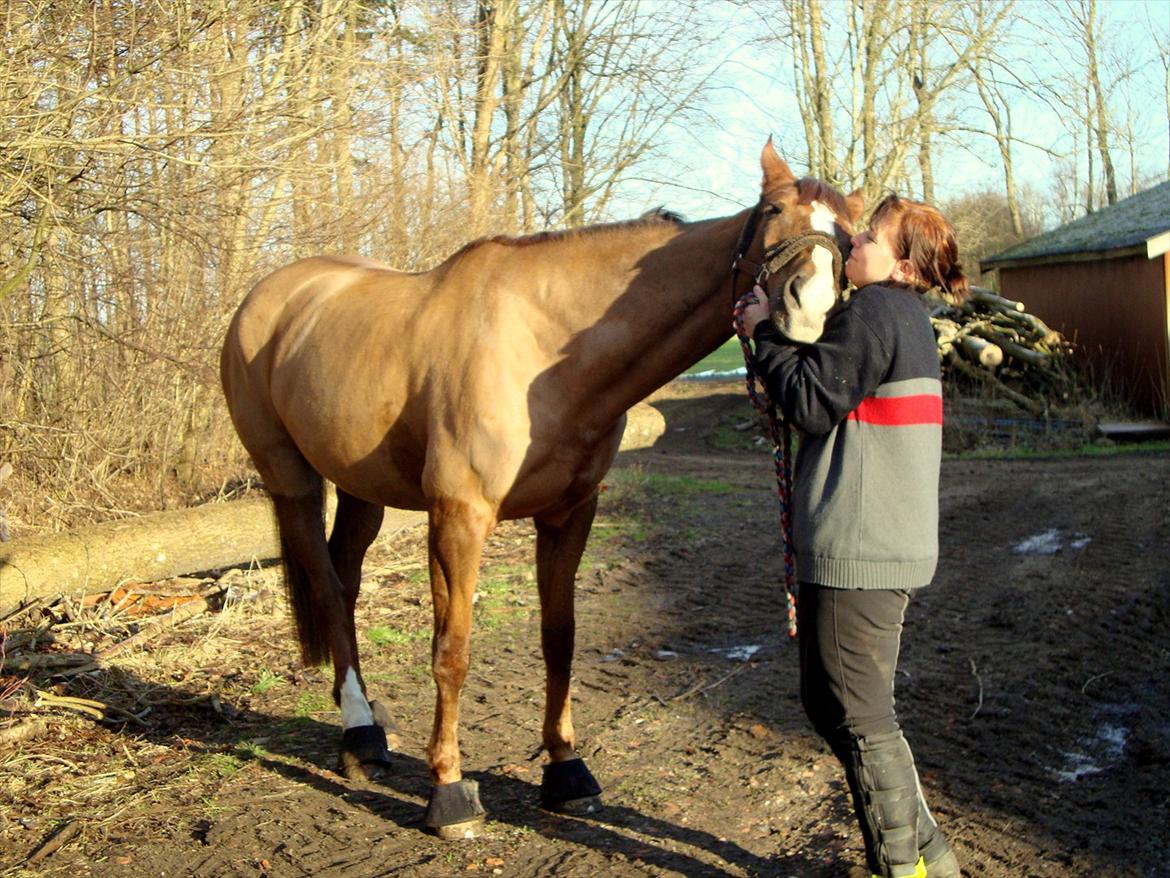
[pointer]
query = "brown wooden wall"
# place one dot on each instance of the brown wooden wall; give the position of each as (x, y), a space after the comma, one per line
(1115, 310)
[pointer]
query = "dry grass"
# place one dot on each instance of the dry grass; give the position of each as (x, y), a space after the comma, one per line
(106, 710)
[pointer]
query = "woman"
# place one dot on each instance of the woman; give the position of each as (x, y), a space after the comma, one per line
(867, 396)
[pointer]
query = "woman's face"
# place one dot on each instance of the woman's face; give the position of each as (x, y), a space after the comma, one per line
(872, 259)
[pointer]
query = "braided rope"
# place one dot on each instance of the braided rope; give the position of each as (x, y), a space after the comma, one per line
(781, 432)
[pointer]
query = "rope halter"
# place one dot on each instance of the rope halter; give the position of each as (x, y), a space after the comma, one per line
(774, 258)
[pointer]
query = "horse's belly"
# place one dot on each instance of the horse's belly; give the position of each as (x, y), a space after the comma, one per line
(360, 443)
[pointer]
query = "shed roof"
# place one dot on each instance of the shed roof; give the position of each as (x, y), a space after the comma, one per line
(1128, 223)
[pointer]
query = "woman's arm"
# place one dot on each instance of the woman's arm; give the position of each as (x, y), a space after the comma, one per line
(817, 385)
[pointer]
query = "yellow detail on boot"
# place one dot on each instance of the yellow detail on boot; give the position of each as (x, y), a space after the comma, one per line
(919, 871)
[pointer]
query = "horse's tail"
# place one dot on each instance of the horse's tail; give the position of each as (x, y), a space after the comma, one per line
(312, 633)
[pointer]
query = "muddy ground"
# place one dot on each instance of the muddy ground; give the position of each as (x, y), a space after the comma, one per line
(1034, 688)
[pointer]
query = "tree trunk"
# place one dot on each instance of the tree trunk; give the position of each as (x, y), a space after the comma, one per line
(493, 19)
(1097, 112)
(826, 147)
(1001, 121)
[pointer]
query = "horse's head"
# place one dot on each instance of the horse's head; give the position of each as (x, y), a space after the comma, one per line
(802, 229)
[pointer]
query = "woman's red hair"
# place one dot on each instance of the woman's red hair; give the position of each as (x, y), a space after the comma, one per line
(922, 236)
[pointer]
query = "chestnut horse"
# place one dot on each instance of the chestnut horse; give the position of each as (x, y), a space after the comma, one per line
(492, 387)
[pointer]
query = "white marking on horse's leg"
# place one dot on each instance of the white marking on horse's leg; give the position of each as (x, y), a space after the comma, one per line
(355, 710)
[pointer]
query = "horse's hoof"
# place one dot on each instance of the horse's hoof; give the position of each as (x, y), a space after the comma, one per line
(459, 831)
(454, 810)
(577, 807)
(364, 754)
(569, 788)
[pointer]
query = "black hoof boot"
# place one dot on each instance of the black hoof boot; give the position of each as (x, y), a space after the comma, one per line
(569, 788)
(454, 810)
(364, 754)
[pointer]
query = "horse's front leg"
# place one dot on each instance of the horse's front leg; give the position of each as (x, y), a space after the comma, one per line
(567, 784)
(457, 533)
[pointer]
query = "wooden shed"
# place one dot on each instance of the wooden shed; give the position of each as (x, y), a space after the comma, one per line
(1104, 282)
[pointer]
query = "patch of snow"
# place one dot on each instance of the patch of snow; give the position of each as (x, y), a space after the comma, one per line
(1098, 753)
(715, 373)
(738, 653)
(1047, 543)
(1050, 542)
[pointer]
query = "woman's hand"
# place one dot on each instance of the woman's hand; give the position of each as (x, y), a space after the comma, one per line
(753, 314)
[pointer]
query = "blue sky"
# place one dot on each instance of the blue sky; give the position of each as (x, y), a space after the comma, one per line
(713, 170)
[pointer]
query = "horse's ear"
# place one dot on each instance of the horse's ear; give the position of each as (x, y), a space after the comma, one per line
(776, 170)
(855, 204)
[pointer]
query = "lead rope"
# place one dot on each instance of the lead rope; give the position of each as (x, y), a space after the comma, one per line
(781, 456)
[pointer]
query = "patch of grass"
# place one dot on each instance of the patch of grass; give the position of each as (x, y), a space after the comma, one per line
(609, 536)
(726, 438)
(611, 533)
(267, 680)
(248, 751)
(224, 765)
(312, 703)
(1021, 452)
(686, 485)
(623, 484)
(212, 808)
(500, 578)
(726, 358)
(387, 635)
(633, 482)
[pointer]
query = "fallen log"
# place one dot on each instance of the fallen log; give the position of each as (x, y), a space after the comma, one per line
(164, 545)
(150, 547)
(981, 351)
(994, 301)
(1013, 349)
(644, 426)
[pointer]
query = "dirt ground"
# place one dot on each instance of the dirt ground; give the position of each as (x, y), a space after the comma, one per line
(1034, 688)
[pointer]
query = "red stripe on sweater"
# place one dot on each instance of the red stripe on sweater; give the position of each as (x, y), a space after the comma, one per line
(899, 411)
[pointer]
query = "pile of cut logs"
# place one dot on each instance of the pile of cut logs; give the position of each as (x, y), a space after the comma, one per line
(995, 342)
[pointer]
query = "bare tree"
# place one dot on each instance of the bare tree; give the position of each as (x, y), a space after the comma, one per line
(944, 40)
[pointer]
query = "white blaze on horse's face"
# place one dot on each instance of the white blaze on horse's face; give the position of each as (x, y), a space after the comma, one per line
(355, 710)
(804, 321)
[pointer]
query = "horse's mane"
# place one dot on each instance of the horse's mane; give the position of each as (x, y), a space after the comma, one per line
(810, 189)
(656, 216)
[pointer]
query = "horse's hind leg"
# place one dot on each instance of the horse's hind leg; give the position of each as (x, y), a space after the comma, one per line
(324, 621)
(567, 784)
(355, 527)
(364, 752)
(456, 537)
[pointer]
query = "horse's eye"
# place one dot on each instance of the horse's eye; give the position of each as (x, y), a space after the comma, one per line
(774, 209)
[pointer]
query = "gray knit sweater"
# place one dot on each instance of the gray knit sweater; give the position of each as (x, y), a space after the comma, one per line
(868, 398)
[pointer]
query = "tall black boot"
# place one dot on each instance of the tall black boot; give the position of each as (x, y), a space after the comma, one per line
(884, 784)
(937, 855)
